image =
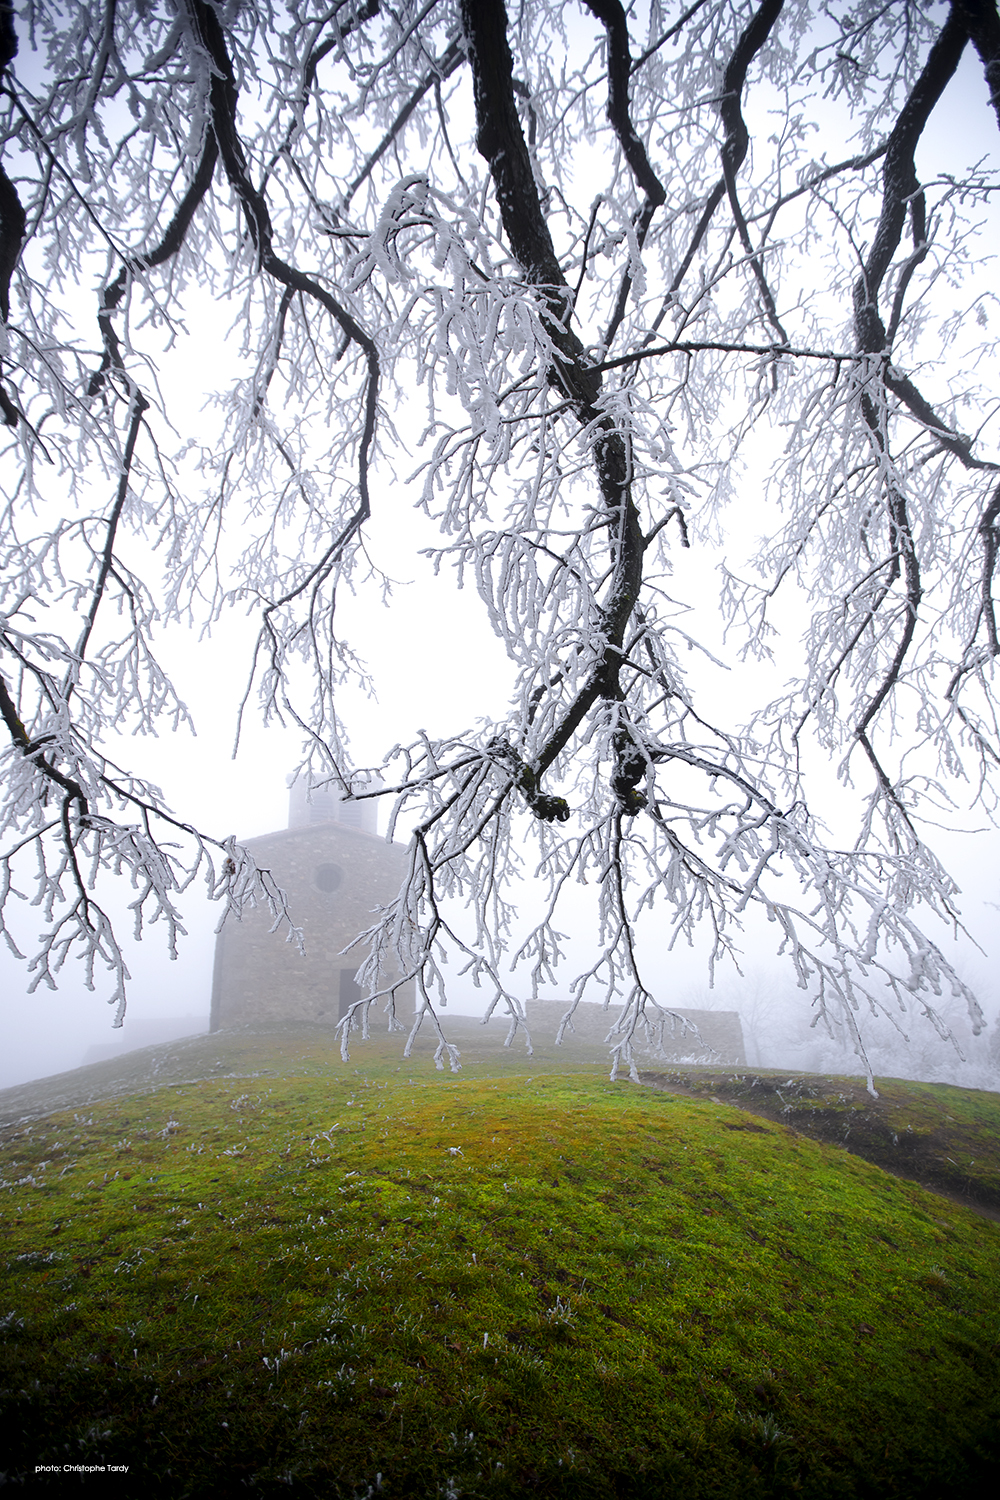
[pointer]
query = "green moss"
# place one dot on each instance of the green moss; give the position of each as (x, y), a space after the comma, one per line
(946, 1138)
(494, 1285)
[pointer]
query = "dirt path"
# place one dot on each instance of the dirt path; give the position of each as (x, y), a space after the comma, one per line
(944, 1139)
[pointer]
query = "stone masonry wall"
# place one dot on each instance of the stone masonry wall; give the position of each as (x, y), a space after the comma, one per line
(334, 877)
(719, 1039)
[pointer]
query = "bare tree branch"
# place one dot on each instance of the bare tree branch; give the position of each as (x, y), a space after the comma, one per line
(482, 294)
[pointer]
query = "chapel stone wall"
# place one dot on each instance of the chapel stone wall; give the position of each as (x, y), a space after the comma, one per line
(708, 1037)
(334, 877)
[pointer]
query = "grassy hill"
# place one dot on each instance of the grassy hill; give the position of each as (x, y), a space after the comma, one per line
(238, 1262)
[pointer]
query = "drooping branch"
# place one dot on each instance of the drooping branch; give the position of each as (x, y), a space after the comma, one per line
(169, 246)
(612, 15)
(734, 151)
(538, 462)
(33, 750)
(447, 64)
(989, 531)
(900, 186)
(982, 22)
(976, 656)
(901, 192)
(902, 195)
(737, 140)
(501, 141)
(223, 99)
(12, 215)
(138, 405)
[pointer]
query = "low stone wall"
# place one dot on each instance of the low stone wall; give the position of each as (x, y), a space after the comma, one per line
(714, 1037)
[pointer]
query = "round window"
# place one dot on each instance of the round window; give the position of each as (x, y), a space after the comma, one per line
(328, 877)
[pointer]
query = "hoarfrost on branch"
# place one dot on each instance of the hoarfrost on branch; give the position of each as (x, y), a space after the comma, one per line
(596, 259)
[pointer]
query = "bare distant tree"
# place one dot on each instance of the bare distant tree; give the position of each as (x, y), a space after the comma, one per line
(595, 256)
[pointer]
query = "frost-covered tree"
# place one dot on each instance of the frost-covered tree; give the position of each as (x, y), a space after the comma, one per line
(631, 280)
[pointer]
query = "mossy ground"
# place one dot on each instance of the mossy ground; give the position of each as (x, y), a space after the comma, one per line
(369, 1280)
(945, 1138)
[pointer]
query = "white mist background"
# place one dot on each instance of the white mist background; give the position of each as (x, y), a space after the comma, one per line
(50, 1032)
(437, 665)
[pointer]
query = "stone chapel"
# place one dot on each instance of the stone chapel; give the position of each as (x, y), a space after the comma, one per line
(335, 869)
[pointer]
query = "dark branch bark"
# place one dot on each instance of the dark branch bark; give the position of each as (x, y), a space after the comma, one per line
(668, 35)
(32, 750)
(901, 191)
(990, 533)
(501, 141)
(753, 38)
(612, 16)
(139, 405)
(12, 222)
(983, 25)
(169, 245)
(852, 164)
(952, 442)
(451, 59)
(733, 152)
(12, 215)
(715, 197)
(223, 100)
(737, 140)
(900, 185)
(223, 103)
(974, 657)
(364, 13)
(716, 346)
